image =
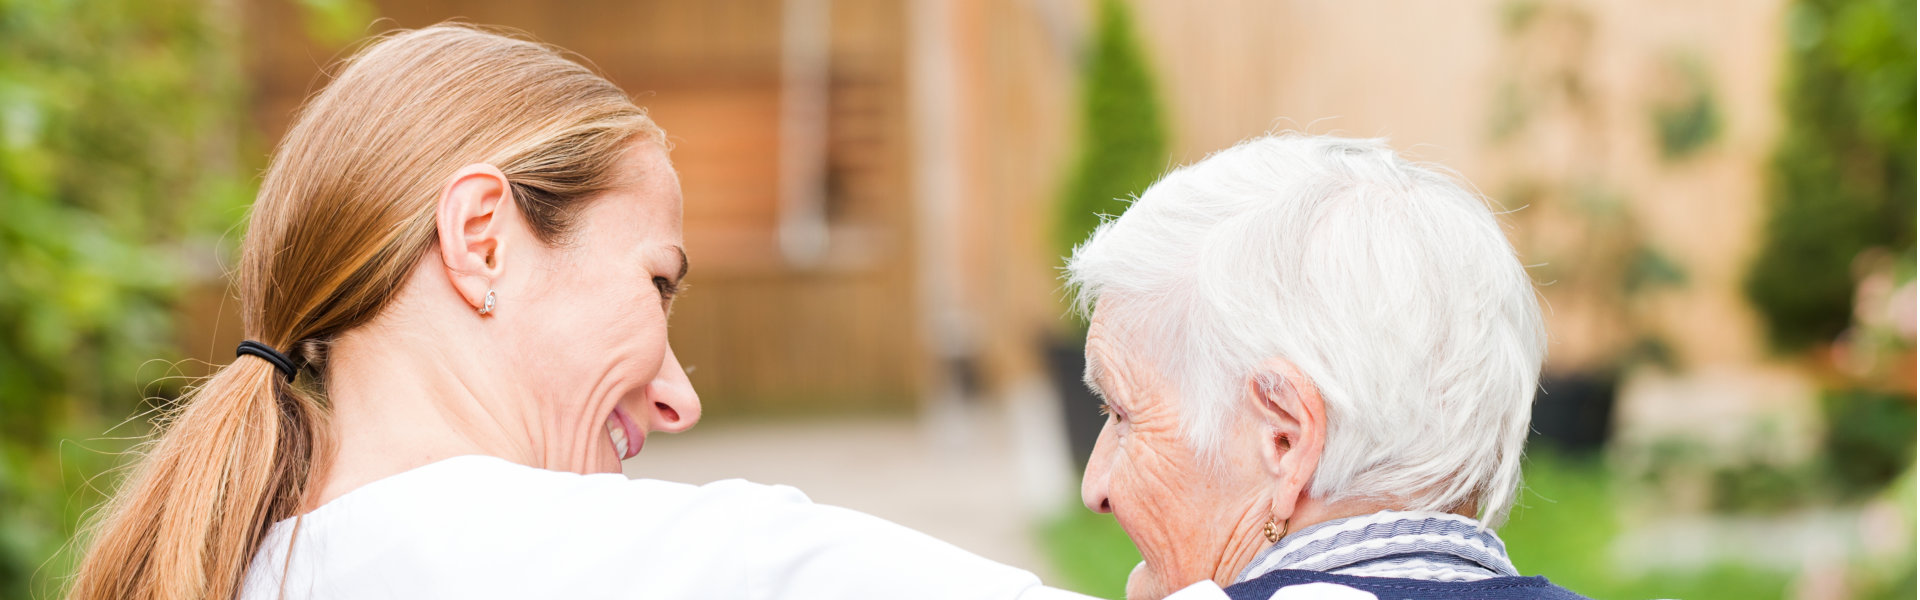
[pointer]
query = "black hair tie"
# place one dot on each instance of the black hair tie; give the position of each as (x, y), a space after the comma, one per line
(280, 361)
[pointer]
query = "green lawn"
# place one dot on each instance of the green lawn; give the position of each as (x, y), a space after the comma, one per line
(1565, 523)
(1089, 551)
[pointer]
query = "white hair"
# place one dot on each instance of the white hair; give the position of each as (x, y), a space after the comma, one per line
(1387, 284)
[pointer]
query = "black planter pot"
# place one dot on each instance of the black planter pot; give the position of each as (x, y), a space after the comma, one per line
(1574, 411)
(1079, 408)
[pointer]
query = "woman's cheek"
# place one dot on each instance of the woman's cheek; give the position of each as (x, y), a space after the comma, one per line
(1162, 512)
(1138, 506)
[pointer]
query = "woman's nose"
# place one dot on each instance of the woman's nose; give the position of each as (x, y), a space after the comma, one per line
(674, 406)
(1094, 486)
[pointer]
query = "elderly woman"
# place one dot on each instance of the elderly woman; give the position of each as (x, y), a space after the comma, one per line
(455, 286)
(1318, 360)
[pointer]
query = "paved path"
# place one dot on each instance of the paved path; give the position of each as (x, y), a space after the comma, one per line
(968, 478)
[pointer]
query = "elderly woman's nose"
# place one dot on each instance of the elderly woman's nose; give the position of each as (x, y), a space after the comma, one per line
(1096, 501)
(1094, 485)
(673, 405)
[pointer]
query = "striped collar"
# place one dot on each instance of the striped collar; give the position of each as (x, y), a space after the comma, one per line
(1430, 546)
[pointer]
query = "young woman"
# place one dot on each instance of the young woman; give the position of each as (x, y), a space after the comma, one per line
(456, 283)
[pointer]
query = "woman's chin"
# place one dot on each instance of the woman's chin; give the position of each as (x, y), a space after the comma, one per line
(605, 461)
(1145, 584)
(609, 464)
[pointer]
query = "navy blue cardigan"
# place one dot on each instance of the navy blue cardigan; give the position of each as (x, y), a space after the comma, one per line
(1387, 588)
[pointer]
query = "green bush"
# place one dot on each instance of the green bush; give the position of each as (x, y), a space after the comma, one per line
(1869, 439)
(119, 161)
(1843, 176)
(117, 149)
(1123, 140)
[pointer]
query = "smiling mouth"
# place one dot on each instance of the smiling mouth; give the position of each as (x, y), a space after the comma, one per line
(626, 437)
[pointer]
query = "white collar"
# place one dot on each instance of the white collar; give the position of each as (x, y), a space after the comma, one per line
(1432, 546)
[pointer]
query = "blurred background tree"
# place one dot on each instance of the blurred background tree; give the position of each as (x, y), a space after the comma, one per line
(1843, 175)
(1121, 149)
(1838, 244)
(1123, 137)
(119, 170)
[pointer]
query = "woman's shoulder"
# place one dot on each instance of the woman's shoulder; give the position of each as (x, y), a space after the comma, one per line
(1287, 584)
(485, 528)
(499, 496)
(494, 527)
(499, 482)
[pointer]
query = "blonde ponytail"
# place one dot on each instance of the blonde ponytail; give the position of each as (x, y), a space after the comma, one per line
(344, 213)
(232, 461)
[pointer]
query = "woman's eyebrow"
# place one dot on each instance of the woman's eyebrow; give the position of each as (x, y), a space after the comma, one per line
(1096, 372)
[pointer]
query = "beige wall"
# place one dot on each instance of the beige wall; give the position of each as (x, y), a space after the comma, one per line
(759, 331)
(1017, 72)
(1428, 76)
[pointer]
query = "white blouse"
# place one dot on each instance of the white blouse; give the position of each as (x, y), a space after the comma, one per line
(478, 527)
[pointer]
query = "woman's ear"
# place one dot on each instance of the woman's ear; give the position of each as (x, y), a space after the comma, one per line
(474, 217)
(1293, 419)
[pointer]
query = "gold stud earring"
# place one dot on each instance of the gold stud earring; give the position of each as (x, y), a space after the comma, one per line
(1275, 531)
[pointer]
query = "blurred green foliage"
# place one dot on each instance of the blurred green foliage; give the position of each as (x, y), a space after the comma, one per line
(1123, 137)
(337, 22)
(1749, 486)
(1565, 525)
(45, 493)
(1687, 124)
(117, 147)
(119, 169)
(1843, 176)
(1869, 439)
(1867, 442)
(1893, 576)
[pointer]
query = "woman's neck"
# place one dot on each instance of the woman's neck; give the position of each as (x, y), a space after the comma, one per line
(1307, 512)
(401, 400)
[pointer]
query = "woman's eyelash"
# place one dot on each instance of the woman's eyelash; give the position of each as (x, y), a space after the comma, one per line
(668, 287)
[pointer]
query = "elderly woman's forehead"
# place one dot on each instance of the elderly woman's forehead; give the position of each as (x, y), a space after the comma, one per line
(1112, 345)
(1111, 308)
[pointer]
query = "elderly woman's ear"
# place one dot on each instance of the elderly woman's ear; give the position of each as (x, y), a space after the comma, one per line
(1289, 409)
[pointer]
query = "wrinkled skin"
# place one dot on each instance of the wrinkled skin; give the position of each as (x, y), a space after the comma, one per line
(1192, 521)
